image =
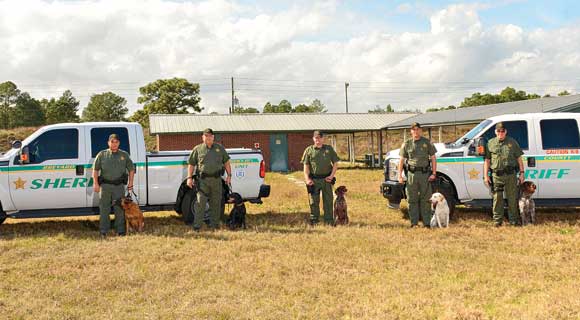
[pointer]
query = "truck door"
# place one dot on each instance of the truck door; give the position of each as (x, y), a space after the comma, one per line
(557, 171)
(54, 178)
(521, 131)
(99, 137)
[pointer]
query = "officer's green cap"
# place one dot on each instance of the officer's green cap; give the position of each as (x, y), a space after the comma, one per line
(499, 125)
(114, 136)
(208, 130)
(318, 133)
(415, 125)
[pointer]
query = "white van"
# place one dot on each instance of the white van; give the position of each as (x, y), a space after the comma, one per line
(551, 146)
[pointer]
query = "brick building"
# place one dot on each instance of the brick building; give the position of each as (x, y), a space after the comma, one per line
(281, 137)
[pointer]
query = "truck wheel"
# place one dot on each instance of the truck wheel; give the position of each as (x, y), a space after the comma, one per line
(446, 188)
(187, 207)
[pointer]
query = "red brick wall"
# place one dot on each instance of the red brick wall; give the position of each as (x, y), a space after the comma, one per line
(297, 142)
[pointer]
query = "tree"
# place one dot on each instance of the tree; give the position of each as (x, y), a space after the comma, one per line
(268, 108)
(246, 110)
(28, 112)
(8, 94)
(168, 96)
(378, 109)
(564, 93)
(105, 107)
(283, 107)
(64, 109)
(506, 95)
(317, 106)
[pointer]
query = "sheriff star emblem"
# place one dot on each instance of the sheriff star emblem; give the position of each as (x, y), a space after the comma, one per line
(19, 184)
(122, 158)
(473, 174)
(217, 150)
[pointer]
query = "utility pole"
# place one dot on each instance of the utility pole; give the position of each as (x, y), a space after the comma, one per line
(233, 97)
(346, 95)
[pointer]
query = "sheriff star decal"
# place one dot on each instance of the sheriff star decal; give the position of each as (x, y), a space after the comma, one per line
(19, 184)
(473, 174)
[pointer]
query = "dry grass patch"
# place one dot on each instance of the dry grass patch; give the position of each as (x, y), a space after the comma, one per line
(376, 268)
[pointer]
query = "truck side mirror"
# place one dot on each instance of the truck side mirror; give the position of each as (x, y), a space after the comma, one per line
(16, 144)
(24, 155)
(479, 144)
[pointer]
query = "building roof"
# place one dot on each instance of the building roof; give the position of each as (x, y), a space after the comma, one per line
(476, 114)
(273, 122)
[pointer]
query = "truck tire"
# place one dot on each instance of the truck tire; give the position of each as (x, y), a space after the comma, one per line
(3, 215)
(187, 207)
(448, 191)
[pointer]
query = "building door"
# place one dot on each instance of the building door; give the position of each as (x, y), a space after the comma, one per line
(278, 152)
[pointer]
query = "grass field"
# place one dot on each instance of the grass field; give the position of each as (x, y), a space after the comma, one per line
(280, 268)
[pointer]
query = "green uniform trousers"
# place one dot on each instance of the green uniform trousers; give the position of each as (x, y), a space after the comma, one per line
(209, 188)
(320, 185)
(111, 193)
(418, 194)
(507, 184)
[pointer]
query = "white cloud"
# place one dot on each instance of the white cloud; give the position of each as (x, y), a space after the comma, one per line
(93, 46)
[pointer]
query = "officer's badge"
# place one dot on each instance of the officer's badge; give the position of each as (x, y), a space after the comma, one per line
(424, 146)
(217, 150)
(122, 158)
(509, 145)
(326, 151)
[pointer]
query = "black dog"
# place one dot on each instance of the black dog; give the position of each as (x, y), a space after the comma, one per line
(237, 218)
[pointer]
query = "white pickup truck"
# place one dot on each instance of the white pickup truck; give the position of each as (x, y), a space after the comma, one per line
(49, 173)
(551, 146)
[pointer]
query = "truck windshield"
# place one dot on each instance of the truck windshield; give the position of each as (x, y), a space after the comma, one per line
(473, 132)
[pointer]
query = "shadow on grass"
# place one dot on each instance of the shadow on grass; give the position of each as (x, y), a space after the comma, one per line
(165, 226)
(570, 215)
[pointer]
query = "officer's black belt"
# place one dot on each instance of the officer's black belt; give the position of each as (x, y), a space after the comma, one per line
(414, 169)
(119, 181)
(319, 176)
(212, 175)
(506, 171)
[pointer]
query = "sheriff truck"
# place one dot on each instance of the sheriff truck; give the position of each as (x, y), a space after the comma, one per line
(551, 146)
(49, 174)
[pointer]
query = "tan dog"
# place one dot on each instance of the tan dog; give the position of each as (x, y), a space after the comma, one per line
(133, 215)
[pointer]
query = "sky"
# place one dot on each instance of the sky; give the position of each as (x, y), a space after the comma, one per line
(410, 54)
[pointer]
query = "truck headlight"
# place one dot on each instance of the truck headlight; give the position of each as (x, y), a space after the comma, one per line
(393, 169)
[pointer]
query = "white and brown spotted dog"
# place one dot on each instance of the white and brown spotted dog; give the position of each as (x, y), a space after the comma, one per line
(440, 216)
(340, 213)
(526, 203)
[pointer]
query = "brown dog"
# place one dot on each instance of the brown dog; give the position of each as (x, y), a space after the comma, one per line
(527, 204)
(133, 215)
(340, 213)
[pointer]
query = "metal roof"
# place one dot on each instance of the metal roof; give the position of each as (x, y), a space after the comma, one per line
(273, 122)
(476, 114)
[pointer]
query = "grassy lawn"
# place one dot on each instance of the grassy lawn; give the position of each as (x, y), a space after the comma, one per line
(376, 268)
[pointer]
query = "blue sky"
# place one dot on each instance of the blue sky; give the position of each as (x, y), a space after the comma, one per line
(386, 16)
(410, 54)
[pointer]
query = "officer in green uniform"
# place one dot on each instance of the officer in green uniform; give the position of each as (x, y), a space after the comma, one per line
(320, 163)
(419, 153)
(208, 160)
(503, 156)
(112, 169)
